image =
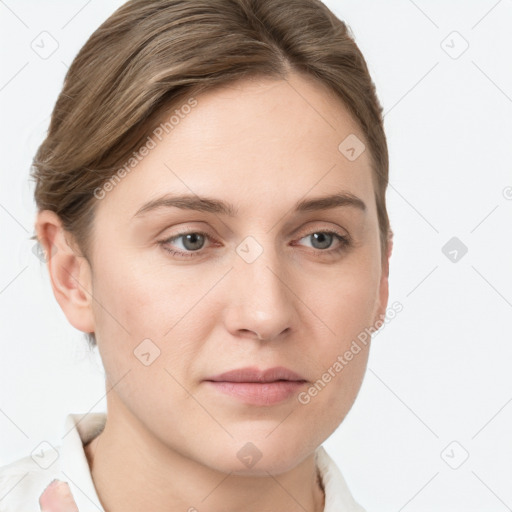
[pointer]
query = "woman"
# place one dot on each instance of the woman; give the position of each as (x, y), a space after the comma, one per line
(211, 197)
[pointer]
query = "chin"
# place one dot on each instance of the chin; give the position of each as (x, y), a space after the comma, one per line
(260, 456)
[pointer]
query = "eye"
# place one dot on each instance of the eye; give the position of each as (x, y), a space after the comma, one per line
(193, 241)
(323, 240)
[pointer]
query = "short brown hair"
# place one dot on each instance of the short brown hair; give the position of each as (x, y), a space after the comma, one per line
(151, 54)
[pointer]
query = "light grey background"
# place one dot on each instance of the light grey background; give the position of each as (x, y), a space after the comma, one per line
(439, 384)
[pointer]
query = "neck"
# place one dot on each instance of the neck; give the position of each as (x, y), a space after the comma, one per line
(131, 469)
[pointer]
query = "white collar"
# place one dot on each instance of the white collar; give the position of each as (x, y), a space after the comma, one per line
(80, 429)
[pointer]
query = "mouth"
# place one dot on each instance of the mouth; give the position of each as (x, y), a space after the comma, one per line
(258, 387)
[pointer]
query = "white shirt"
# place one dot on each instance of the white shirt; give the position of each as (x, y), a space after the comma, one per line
(24, 480)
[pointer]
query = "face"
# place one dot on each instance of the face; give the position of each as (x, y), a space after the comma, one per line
(182, 295)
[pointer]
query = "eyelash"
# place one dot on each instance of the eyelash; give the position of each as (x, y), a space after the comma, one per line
(344, 243)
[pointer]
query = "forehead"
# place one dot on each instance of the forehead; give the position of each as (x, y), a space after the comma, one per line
(258, 142)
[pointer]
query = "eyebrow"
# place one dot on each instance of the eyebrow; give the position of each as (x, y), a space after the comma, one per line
(211, 205)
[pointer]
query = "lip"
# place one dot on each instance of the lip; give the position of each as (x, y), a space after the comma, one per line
(258, 387)
(252, 374)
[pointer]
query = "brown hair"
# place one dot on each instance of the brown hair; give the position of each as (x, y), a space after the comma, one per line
(150, 55)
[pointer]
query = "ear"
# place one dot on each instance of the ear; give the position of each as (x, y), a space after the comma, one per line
(384, 283)
(69, 271)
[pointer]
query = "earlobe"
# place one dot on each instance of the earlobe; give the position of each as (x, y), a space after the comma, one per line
(69, 271)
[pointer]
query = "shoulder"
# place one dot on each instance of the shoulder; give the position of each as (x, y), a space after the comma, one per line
(24, 480)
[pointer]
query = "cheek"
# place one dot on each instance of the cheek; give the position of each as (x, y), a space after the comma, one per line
(341, 350)
(132, 296)
(136, 302)
(133, 313)
(347, 304)
(340, 367)
(126, 313)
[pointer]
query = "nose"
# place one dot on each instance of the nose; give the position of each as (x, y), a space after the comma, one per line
(260, 302)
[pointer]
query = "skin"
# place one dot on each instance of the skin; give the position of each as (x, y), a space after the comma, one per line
(57, 498)
(170, 441)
